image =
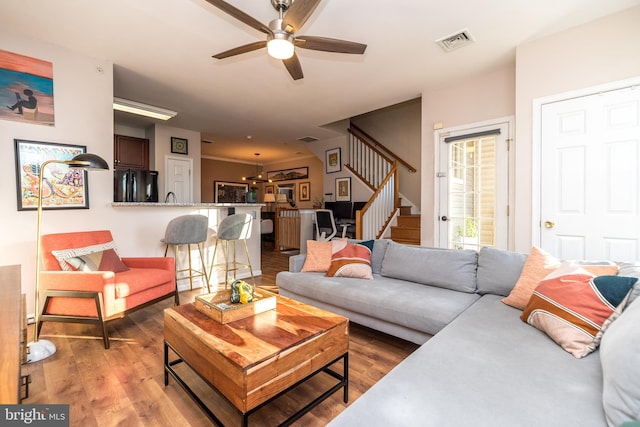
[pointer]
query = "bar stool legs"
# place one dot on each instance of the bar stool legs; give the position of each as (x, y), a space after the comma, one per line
(191, 271)
(231, 229)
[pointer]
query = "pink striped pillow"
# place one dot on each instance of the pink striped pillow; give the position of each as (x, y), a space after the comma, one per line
(572, 308)
(351, 260)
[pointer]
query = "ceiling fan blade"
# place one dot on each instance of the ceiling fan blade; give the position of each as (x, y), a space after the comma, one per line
(330, 45)
(293, 67)
(298, 14)
(240, 15)
(241, 49)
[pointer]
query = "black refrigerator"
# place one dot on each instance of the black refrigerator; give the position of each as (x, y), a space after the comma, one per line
(135, 185)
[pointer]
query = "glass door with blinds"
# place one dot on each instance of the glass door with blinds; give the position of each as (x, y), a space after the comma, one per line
(473, 187)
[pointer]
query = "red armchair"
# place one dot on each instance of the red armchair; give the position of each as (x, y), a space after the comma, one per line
(99, 296)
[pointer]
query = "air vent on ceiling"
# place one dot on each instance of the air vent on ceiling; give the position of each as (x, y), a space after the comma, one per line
(308, 139)
(455, 41)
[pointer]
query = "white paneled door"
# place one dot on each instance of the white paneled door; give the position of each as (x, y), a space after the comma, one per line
(589, 176)
(179, 179)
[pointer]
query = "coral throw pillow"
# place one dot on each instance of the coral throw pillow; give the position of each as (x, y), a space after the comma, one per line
(351, 260)
(573, 307)
(318, 256)
(539, 265)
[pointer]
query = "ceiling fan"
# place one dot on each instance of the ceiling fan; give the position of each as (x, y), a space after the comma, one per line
(281, 34)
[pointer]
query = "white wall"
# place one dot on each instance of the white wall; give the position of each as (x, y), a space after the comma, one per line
(592, 54)
(398, 127)
(602, 51)
(83, 90)
(484, 97)
(359, 191)
(160, 147)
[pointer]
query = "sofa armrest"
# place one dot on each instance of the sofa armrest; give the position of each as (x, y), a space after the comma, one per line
(76, 280)
(163, 263)
(296, 262)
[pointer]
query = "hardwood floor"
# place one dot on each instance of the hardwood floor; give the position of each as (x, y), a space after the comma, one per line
(124, 386)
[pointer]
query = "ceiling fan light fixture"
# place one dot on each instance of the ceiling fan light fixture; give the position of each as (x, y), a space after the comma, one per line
(280, 46)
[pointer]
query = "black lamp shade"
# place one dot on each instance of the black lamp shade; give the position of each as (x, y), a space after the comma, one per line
(89, 161)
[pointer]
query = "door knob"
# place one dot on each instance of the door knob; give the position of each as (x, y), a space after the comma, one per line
(549, 224)
(444, 218)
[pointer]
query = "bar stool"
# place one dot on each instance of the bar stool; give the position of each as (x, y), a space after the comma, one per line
(188, 230)
(231, 229)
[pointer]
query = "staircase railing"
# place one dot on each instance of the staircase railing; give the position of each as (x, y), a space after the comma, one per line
(368, 155)
(374, 217)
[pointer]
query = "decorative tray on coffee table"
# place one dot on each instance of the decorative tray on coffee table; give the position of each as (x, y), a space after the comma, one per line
(218, 306)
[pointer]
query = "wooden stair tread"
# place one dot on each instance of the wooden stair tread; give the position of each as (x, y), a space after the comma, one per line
(406, 241)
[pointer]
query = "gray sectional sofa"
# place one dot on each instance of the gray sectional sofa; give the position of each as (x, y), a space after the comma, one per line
(479, 363)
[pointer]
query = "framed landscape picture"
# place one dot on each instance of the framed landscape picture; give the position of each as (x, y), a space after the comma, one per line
(343, 189)
(229, 192)
(333, 161)
(63, 187)
(288, 174)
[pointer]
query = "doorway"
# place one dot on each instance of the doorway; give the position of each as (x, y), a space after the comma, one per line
(473, 186)
(589, 180)
(179, 180)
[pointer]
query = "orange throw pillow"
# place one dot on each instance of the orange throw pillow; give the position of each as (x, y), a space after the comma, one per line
(538, 265)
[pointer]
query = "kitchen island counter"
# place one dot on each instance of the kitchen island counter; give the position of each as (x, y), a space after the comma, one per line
(141, 226)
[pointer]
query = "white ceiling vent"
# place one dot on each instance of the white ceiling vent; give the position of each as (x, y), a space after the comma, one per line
(308, 139)
(455, 41)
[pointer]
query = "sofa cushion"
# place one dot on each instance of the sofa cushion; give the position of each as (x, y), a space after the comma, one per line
(571, 306)
(137, 280)
(498, 270)
(629, 269)
(377, 254)
(445, 268)
(620, 358)
(427, 309)
(351, 260)
(485, 369)
(539, 265)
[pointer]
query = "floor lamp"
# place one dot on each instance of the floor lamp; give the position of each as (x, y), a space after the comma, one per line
(41, 349)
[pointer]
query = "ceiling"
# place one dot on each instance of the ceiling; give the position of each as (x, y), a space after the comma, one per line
(161, 51)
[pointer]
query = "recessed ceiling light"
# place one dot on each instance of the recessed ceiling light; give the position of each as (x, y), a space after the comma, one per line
(142, 109)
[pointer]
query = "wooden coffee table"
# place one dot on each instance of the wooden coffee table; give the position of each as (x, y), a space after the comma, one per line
(252, 361)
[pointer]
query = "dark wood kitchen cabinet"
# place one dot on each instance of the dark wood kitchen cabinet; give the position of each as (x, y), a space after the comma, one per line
(130, 152)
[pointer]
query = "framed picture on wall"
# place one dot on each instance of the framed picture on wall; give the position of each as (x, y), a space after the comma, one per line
(333, 160)
(179, 145)
(229, 192)
(268, 189)
(63, 187)
(343, 189)
(304, 188)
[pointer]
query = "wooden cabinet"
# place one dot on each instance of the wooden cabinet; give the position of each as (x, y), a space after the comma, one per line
(130, 152)
(12, 334)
